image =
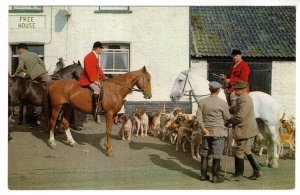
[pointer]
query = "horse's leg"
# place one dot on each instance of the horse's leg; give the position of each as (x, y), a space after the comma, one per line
(109, 123)
(66, 116)
(66, 124)
(21, 113)
(55, 112)
(274, 144)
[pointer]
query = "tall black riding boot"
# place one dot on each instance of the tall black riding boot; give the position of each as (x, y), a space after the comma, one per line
(204, 163)
(255, 166)
(216, 171)
(95, 106)
(239, 169)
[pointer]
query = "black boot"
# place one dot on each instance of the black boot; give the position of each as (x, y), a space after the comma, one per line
(216, 170)
(95, 106)
(204, 163)
(255, 166)
(239, 169)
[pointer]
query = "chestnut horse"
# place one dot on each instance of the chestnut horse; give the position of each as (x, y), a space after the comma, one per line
(67, 91)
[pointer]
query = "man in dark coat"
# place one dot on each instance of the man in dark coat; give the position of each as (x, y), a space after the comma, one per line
(245, 130)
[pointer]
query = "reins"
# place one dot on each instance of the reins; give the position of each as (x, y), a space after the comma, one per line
(193, 94)
(130, 88)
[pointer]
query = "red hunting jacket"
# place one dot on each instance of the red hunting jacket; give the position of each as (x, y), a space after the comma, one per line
(240, 72)
(92, 71)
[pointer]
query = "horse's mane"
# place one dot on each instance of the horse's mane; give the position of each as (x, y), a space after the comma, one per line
(67, 68)
(122, 77)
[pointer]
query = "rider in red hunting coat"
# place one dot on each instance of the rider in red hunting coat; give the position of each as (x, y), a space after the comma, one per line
(92, 73)
(239, 70)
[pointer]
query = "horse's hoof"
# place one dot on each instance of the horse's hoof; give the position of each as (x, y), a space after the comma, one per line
(273, 165)
(52, 145)
(70, 142)
(109, 152)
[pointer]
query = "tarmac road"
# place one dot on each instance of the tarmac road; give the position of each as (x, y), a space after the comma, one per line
(142, 163)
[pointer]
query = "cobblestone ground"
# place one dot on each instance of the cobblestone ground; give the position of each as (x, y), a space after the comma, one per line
(142, 163)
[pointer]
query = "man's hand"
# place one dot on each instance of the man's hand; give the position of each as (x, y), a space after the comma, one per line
(97, 83)
(222, 76)
(205, 132)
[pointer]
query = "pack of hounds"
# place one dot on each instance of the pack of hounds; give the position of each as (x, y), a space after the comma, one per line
(181, 129)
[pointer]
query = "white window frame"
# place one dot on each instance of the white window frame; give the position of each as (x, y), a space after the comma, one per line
(114, 8)
(115, 70)
(23, 8)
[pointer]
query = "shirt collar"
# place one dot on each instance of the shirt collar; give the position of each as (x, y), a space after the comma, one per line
(237, 63)
(95, 54)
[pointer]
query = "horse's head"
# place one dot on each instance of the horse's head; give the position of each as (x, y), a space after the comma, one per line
(73, 71)
(144, 83)
(180, 86)
(78, 71)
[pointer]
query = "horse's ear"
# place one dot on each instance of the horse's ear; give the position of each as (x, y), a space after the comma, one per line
(79, 63)
(144, 69)
(74, 62)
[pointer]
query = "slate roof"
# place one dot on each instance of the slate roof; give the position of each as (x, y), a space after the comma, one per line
(256, 31)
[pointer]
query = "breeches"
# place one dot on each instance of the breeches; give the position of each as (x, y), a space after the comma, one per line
(244, 147)
(95, 88)
(214, 145)
(44, 78)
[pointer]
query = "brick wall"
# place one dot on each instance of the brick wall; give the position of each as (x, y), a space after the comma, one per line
(152, 107)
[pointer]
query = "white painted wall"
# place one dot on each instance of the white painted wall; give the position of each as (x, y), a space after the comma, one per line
(158, 38)
(284, 85)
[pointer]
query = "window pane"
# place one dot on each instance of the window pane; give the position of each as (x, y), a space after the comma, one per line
(39, 49)
(122, 61)
(106, 60)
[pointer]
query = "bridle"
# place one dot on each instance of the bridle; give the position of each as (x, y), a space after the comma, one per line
(192, 90)
(142, 90)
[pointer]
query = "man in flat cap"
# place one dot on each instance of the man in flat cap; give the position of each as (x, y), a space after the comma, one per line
(32, 65)
(212, 115)
(93, 75)
(238, 70)
(245, 129)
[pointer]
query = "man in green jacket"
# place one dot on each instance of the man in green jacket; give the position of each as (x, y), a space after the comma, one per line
(245, 130)
(32, 65)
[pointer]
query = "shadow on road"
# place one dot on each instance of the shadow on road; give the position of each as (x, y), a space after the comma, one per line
(171, 165)
(184, 158)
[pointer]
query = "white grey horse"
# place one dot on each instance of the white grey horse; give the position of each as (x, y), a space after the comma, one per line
(265, 108)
